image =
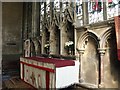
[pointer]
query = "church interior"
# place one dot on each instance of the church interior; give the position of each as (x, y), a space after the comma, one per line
(82, 33)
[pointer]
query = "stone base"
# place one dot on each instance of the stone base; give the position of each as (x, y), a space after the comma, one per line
(87, 85)
(101, 85)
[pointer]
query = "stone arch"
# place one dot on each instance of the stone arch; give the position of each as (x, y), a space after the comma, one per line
(87, 46)
(37, 46)
(105, 37)
(40, 44)
(70, 37)
(32, 48)
(55, 40)
(110, 73)
(27, 46)
(84, 36)
(45, 39)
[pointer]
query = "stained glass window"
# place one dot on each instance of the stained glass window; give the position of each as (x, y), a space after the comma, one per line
(95, 10)
(57, 5)
(48, 8)
(112, 8)
(64, 5)
(42, 15)
(79, 11)
(79, 7)
(42, 8)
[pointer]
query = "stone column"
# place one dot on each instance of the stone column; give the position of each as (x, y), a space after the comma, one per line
(35, 19)
(102, 53)
(60, 27)
(81, 52)
(75, 40)
(1, 46)
(44, 13)
(43, 40)
(51, 10)
(25, 26)
(74, 7)
(29, 19)
(25, 17)
(104, 11)
(85, 12)
(43, 29)
(61, 12)
(74, 24)
(52, 41)
(63, 39)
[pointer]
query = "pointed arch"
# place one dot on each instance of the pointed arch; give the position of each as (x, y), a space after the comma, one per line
(84, 36)
(105, 37)
(37, 46)
(87, 46)
(27, 46)
(32, 48)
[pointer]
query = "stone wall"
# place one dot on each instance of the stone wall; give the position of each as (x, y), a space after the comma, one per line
(12, 33)
(97, 47)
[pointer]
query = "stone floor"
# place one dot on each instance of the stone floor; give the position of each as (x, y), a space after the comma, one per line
(74, 87)
(18, 84)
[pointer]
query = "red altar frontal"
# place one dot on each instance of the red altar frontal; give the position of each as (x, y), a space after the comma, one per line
(43, 72)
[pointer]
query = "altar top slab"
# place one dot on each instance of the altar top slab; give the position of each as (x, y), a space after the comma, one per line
(57, 62)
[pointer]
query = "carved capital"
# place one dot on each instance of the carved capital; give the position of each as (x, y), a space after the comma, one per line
(80, 51)
(60, 27)
(102, 51)
(74, 24)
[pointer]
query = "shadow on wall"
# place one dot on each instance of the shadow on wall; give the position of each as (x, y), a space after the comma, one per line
(114, 63)
(111, 64)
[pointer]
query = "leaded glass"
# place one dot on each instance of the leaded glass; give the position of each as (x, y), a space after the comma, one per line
(79, 11)
(48, 8)
(95, 11)
(57, 5)
(42, 8)
(112, 8)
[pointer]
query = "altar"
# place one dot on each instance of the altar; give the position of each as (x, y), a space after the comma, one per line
(43, 72)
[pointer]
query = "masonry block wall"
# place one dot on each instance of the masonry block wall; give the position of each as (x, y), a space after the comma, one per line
(12, 34)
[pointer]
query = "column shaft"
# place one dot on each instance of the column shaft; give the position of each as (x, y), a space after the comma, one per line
(35, 19)
(85, 12)
(102, 53)
(104, 11)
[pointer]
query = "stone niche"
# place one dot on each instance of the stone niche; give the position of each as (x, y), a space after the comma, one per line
(55, 40)
(46, 41)
(111, 64)
(96, 68)
(90, 63)
(68, 34)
